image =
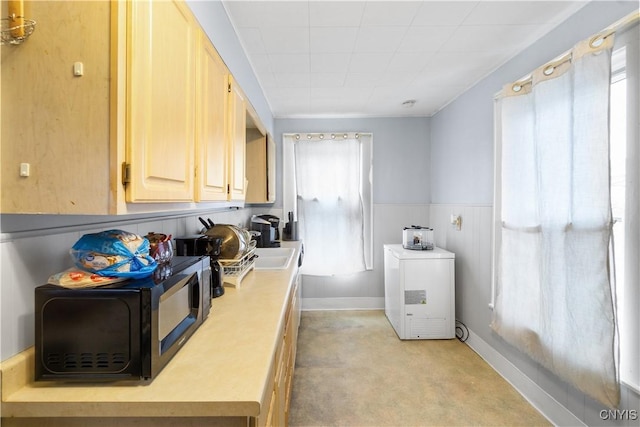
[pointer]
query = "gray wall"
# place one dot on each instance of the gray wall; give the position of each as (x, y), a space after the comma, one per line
(462, 182)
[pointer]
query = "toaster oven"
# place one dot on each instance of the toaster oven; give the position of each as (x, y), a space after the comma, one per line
(418, 238)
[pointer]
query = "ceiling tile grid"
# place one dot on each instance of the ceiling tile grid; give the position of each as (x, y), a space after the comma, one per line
(327, 58)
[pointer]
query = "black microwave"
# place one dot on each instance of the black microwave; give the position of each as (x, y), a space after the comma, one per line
(125, 331)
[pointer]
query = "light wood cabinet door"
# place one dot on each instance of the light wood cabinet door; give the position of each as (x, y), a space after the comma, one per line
(256, 161)
(261, 167)
(160, 101)
(211, 147)
(53, 123)
(237, 139)
(271, 169)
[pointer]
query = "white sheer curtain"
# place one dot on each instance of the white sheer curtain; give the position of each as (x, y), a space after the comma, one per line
(328, 174)
(553, 298)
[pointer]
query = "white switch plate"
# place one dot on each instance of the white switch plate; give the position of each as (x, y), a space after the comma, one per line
(25, 169)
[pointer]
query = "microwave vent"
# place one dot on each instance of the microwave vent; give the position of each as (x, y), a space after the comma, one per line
(78, 362)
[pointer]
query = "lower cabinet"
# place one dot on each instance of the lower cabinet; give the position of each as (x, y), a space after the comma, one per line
(285, 358)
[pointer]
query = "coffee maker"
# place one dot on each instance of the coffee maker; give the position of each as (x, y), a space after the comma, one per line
(268, 226)
(204, 245)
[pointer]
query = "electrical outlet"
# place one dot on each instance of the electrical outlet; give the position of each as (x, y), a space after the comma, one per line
(456, 221)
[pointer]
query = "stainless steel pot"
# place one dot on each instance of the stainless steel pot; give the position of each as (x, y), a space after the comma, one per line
(235, 240)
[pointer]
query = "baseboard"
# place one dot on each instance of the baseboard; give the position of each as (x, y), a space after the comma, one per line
(346, 303)
(557, 414)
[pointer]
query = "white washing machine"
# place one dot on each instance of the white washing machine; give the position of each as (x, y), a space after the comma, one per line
(419, 292)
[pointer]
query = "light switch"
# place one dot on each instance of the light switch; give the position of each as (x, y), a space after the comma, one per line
(25, 169)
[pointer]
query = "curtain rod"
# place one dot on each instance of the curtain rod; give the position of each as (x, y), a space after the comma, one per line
(594, 41)
(332, 136)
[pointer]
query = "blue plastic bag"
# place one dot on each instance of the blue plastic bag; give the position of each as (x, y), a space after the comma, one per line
(114, 253)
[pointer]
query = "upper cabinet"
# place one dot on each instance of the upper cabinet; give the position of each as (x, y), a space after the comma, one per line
(160, 119)
(211, 123)
(56, 151)
(260, 160)
(261, 167)
(156, 121)
(237, 138)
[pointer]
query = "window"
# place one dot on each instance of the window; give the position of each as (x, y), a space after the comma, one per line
(625, 202)
(327, 189)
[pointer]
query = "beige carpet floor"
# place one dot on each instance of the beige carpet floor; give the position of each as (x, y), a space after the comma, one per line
(352, 370)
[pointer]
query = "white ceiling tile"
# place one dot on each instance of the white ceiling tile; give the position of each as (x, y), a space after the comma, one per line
(480, 38)
(332, 39)
(458, 69)
(425, 38)
(443, 12)
(408, 62)
(379, 13)
(393, 99)
(438, 96)
(289, 80)
(289, 63)
(399, 79)
(369, 62)
(339, 94)
(289, 92)
(261, 63)
(246, 13)
(285, 39)
(251, 40)
(283, 13)
(342, 106)
(517, 12)
(381, 108)
(379, 39)
(427, 97)
(329, 62)
(323, 80)
(287, 100)
(335, 13)
(283, 107)
(267, 80)
(364, 79)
